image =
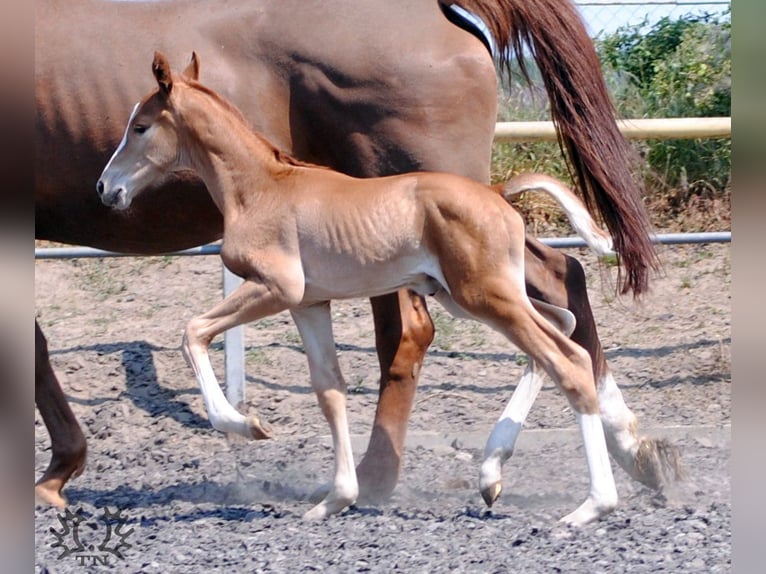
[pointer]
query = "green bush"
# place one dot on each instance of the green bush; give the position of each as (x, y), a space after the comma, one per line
(676, 68)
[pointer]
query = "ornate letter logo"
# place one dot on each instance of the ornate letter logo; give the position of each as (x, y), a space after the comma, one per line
(110, 526)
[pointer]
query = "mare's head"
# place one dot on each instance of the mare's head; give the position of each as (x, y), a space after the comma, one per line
(150, 147)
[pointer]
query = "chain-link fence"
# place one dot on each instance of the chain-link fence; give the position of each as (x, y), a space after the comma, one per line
(605, 16)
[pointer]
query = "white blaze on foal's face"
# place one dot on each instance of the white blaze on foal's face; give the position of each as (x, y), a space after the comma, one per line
(148, 150)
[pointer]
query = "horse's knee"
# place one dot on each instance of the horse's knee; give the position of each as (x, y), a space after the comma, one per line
(417, 326)
(404, 331)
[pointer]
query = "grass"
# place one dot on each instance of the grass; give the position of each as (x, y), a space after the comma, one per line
(698, 205)
(97, 277)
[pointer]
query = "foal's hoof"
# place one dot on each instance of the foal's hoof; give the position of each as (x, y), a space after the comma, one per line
(590, 511)
(258, 430)
(328, 507)
(491, 493)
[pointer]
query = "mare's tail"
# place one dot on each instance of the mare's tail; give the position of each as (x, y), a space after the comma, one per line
(582, 222)
(599, 157)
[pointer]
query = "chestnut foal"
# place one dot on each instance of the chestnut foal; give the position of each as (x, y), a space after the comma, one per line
(301, 235)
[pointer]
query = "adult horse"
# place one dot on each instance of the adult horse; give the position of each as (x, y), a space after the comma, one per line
(365, 87)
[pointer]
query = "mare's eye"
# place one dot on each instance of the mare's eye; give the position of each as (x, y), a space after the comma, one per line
(139, 129)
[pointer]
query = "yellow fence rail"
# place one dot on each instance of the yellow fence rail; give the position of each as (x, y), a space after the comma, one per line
(644, 129)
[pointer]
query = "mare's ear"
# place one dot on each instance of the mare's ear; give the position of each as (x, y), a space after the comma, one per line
(161, 69)
(192, 70)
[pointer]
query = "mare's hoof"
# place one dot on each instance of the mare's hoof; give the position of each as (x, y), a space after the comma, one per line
(48, 493)
(491, 493)
(258, 430)
(658, 464)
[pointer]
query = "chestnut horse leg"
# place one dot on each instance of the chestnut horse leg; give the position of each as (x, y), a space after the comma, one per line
(403, 332)
(559, 279)
(68, 446)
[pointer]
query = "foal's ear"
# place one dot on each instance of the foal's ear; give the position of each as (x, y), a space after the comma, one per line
(161, 69)
(192, 70)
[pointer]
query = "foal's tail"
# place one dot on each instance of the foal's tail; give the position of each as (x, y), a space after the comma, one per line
(600, 159)
(598, 240)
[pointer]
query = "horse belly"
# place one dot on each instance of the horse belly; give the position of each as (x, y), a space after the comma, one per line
(346, 279)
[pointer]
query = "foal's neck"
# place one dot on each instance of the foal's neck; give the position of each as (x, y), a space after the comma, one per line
(236, 163)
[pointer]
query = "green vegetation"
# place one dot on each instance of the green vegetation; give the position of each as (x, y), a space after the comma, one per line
(674, 68)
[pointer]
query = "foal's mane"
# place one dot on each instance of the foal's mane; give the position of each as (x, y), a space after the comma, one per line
(280, 155)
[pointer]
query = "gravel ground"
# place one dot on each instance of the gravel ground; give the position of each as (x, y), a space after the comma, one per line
(197, 501)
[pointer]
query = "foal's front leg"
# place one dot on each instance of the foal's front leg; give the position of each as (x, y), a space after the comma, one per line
(250, 301)
(314, 324)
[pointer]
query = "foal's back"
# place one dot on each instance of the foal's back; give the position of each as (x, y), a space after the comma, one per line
(362, 237)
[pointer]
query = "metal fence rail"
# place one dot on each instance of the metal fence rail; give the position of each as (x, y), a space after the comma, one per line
(215, 248)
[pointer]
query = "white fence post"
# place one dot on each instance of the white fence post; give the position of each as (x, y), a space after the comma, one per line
(234, 350)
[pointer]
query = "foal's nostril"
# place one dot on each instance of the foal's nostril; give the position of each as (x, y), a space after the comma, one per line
(100, 187)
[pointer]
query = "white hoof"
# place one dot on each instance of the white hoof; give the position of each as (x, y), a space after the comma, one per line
(328, 507)
(490, 480)
(589, 511)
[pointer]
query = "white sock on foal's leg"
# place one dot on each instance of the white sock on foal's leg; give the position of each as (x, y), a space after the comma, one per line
(602, 498)
(502, 439)
(221, 414)
(619, 422)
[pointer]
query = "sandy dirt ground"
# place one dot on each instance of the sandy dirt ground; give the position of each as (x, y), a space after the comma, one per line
(200, 502)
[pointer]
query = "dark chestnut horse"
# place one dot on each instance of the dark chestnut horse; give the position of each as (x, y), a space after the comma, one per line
(388, 87)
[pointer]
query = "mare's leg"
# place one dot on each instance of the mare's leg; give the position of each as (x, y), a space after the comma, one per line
(315, 327)
(68, 446)
(403, 332)
(559, 279)
(248, 302)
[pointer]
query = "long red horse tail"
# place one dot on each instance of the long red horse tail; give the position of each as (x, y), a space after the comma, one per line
(600, 159)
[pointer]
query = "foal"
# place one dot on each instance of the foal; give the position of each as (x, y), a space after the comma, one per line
(301, 235)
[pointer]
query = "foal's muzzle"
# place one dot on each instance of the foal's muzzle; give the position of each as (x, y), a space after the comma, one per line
(114, 197)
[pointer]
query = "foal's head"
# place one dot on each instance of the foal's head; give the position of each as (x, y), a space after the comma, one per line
(150, 146)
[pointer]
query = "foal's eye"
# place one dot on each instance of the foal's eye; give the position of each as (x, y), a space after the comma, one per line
(139, 129)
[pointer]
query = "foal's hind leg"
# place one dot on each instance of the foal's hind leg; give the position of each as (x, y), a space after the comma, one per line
(559, 279)
(315, 327)
(505, 307)
(502, 440)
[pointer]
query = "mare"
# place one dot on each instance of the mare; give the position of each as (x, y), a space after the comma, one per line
(300, 236)
(387, 88)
